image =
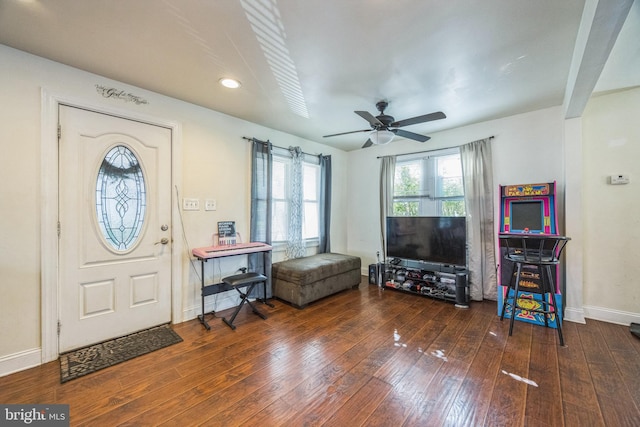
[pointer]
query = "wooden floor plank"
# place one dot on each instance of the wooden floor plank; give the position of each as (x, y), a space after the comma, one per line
(473, 399)
(544, 397)
(508, 400)
(627, 359)
(360, 405)
(442, 395)
(361, 357)
(616, 404)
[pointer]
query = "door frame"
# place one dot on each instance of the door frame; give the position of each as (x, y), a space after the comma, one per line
(49, 251)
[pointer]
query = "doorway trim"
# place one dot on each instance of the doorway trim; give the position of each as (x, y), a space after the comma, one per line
(49, 252)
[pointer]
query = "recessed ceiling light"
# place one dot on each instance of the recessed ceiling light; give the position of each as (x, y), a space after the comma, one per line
(230, 83)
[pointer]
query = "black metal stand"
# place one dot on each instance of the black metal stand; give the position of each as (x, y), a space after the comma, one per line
(204, 291)
(248, 281)
(540, 253)
(216, 252)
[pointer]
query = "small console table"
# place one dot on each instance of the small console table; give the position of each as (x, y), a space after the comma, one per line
(211, 252)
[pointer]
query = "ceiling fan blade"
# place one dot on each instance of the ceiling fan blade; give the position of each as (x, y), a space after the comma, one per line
(410, 135)
(373, 121)
(419, 119)
(369, 143)
(346, 133)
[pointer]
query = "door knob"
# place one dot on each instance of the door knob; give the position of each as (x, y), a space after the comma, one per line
(163, 241)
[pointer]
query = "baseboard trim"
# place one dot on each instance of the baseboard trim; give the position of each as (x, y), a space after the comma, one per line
(20, 361)
(575, 315)
(612, 316)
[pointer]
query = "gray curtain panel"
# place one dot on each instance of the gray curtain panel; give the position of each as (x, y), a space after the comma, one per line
(260, 227)
(479, 191)
(325, 204)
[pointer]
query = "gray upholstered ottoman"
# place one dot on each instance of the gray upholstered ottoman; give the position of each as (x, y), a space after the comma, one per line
(303, 280)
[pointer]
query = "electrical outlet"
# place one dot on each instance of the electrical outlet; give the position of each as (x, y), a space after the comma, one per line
(210, 205)
(190, 204)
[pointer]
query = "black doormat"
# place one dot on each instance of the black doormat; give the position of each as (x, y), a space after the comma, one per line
(78, 363)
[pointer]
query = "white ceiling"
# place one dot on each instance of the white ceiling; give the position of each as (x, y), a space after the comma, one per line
(306, 65)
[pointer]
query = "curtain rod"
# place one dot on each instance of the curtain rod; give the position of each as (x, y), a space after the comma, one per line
(429, 151)
(277, 146)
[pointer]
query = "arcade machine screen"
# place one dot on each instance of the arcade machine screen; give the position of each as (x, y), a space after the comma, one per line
(527, 217)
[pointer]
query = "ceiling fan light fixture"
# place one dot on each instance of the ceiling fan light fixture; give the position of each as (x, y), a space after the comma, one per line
(230, 83)
(381, 137)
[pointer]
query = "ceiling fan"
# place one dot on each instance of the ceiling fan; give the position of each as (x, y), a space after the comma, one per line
(381, 131)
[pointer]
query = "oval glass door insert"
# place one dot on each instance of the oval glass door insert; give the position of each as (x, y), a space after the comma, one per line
(121, 198)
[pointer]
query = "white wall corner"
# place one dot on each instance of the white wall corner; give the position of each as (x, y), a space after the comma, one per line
(573, 218)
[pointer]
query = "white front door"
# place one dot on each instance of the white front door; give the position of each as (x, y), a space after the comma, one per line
(114, 227)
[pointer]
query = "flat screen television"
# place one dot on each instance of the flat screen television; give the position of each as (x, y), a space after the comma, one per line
(430, 239)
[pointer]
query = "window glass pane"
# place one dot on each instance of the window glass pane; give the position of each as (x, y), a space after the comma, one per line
(406, 208)
(121, 198)
(310, 182)
(449, 176)
(279, 221)
(279, 179)
(408, 176)
(310, 223)
(452, 208)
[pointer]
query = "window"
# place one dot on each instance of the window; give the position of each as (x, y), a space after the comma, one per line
(429, 185)
(121, 198)
(281, 191)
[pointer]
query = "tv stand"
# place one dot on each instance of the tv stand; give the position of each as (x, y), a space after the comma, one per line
(444, 282)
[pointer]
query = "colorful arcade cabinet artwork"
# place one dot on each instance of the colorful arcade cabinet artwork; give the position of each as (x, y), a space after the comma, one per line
(530, 209)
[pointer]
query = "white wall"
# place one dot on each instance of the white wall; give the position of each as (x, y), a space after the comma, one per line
(611, 140)
(215, 164)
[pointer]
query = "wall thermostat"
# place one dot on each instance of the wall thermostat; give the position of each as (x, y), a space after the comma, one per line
(619, 179)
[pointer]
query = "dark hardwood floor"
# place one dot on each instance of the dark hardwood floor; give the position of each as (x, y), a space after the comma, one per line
(361, 357)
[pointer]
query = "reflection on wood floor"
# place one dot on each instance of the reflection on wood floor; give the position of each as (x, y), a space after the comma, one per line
(361, 357)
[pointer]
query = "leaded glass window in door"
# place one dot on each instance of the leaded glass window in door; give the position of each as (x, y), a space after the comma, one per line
(121, 198)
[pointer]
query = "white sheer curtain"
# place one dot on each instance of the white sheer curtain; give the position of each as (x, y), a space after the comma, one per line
(387, 174)
(479, 190)
(295, 244)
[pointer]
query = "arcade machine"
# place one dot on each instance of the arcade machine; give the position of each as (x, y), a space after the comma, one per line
(528, 208)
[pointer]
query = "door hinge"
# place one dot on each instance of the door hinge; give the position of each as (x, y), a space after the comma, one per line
(59, 131)
(59, 326)
(58, 229)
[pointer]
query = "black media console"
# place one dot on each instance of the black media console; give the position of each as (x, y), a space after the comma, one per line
(444, 282)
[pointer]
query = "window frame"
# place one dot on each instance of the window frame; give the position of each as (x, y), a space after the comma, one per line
(430, 184)
(284, 157)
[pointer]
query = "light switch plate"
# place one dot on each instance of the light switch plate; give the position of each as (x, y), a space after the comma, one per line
(190, 204)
